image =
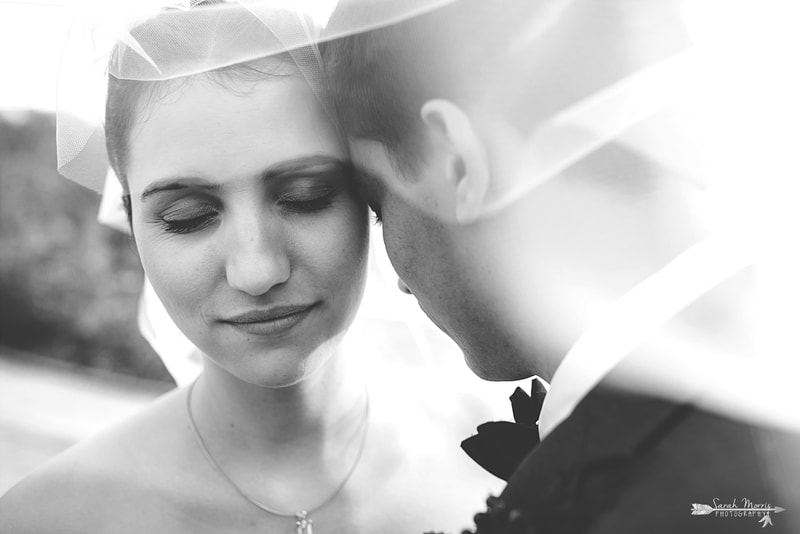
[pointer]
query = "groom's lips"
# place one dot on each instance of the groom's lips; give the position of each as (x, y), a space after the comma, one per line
(272, 321)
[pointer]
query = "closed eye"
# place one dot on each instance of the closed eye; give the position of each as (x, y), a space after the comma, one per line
(188, 219)
(310, 195)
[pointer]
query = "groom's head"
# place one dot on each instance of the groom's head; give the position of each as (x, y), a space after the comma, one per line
(435, 108)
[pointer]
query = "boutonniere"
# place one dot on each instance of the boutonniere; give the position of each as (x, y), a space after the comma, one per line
(500, 446)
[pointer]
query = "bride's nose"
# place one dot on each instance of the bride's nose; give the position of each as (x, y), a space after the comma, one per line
(257, 257)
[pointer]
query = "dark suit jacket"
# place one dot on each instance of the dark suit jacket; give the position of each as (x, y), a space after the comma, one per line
(633, 464)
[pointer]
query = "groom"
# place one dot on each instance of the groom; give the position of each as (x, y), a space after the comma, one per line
(515, 252)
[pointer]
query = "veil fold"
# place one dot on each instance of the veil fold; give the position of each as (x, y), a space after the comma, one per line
(167, 42)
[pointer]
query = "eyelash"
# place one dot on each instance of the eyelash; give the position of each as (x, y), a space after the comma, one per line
(317, 202)
(375, 214)
(203, 219)
(207, 216)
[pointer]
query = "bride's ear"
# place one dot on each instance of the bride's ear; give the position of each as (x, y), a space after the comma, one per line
(467, 168)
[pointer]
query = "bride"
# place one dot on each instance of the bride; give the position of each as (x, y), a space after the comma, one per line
(239, 194)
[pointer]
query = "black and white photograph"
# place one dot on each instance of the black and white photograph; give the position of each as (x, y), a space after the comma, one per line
(399, 266)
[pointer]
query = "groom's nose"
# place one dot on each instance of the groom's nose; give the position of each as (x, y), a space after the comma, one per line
(403, 287)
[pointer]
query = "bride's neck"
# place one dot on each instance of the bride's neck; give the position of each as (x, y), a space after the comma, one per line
(326, 406)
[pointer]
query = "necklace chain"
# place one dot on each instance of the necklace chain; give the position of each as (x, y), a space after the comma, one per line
(302, 519)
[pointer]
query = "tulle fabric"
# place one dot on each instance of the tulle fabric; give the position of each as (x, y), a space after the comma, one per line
(161, 42)
(657, 105)
(154, 40)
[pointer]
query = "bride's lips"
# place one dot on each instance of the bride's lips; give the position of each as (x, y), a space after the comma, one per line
(270, 321)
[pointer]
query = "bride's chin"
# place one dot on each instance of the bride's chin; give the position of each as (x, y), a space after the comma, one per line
(286, 379)
(275, 368)
(292, 371)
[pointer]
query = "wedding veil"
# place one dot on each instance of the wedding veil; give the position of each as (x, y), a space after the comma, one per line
(671, 103)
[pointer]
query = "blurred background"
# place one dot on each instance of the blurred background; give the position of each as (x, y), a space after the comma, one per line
(71, 357)
(68, 286)
(68, 294)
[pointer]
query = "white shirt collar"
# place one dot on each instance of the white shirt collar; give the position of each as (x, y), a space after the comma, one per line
(566, 391)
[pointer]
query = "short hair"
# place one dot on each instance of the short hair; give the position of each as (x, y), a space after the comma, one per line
(466, 52)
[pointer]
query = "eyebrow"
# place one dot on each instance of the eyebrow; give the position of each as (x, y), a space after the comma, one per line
(303, 165)
(283, 169)
(176, 183)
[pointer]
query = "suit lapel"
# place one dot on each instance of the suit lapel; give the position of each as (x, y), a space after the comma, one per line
(621, 425)
(592, 448)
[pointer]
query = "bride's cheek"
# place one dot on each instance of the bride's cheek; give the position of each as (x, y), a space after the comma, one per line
(338, 240)
(177, 270)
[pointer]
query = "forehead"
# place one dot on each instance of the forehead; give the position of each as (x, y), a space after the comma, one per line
(206, 129)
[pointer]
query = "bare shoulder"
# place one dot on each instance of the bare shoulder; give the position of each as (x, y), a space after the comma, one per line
(93, 486)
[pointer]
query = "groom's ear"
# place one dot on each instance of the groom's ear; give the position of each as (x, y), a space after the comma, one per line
(466, 167)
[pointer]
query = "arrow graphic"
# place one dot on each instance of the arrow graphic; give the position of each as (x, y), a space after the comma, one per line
(701, 509)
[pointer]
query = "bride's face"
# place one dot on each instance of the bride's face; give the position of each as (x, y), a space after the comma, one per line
(247, 225)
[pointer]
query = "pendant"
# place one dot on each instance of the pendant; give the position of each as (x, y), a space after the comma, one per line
(303, 523)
